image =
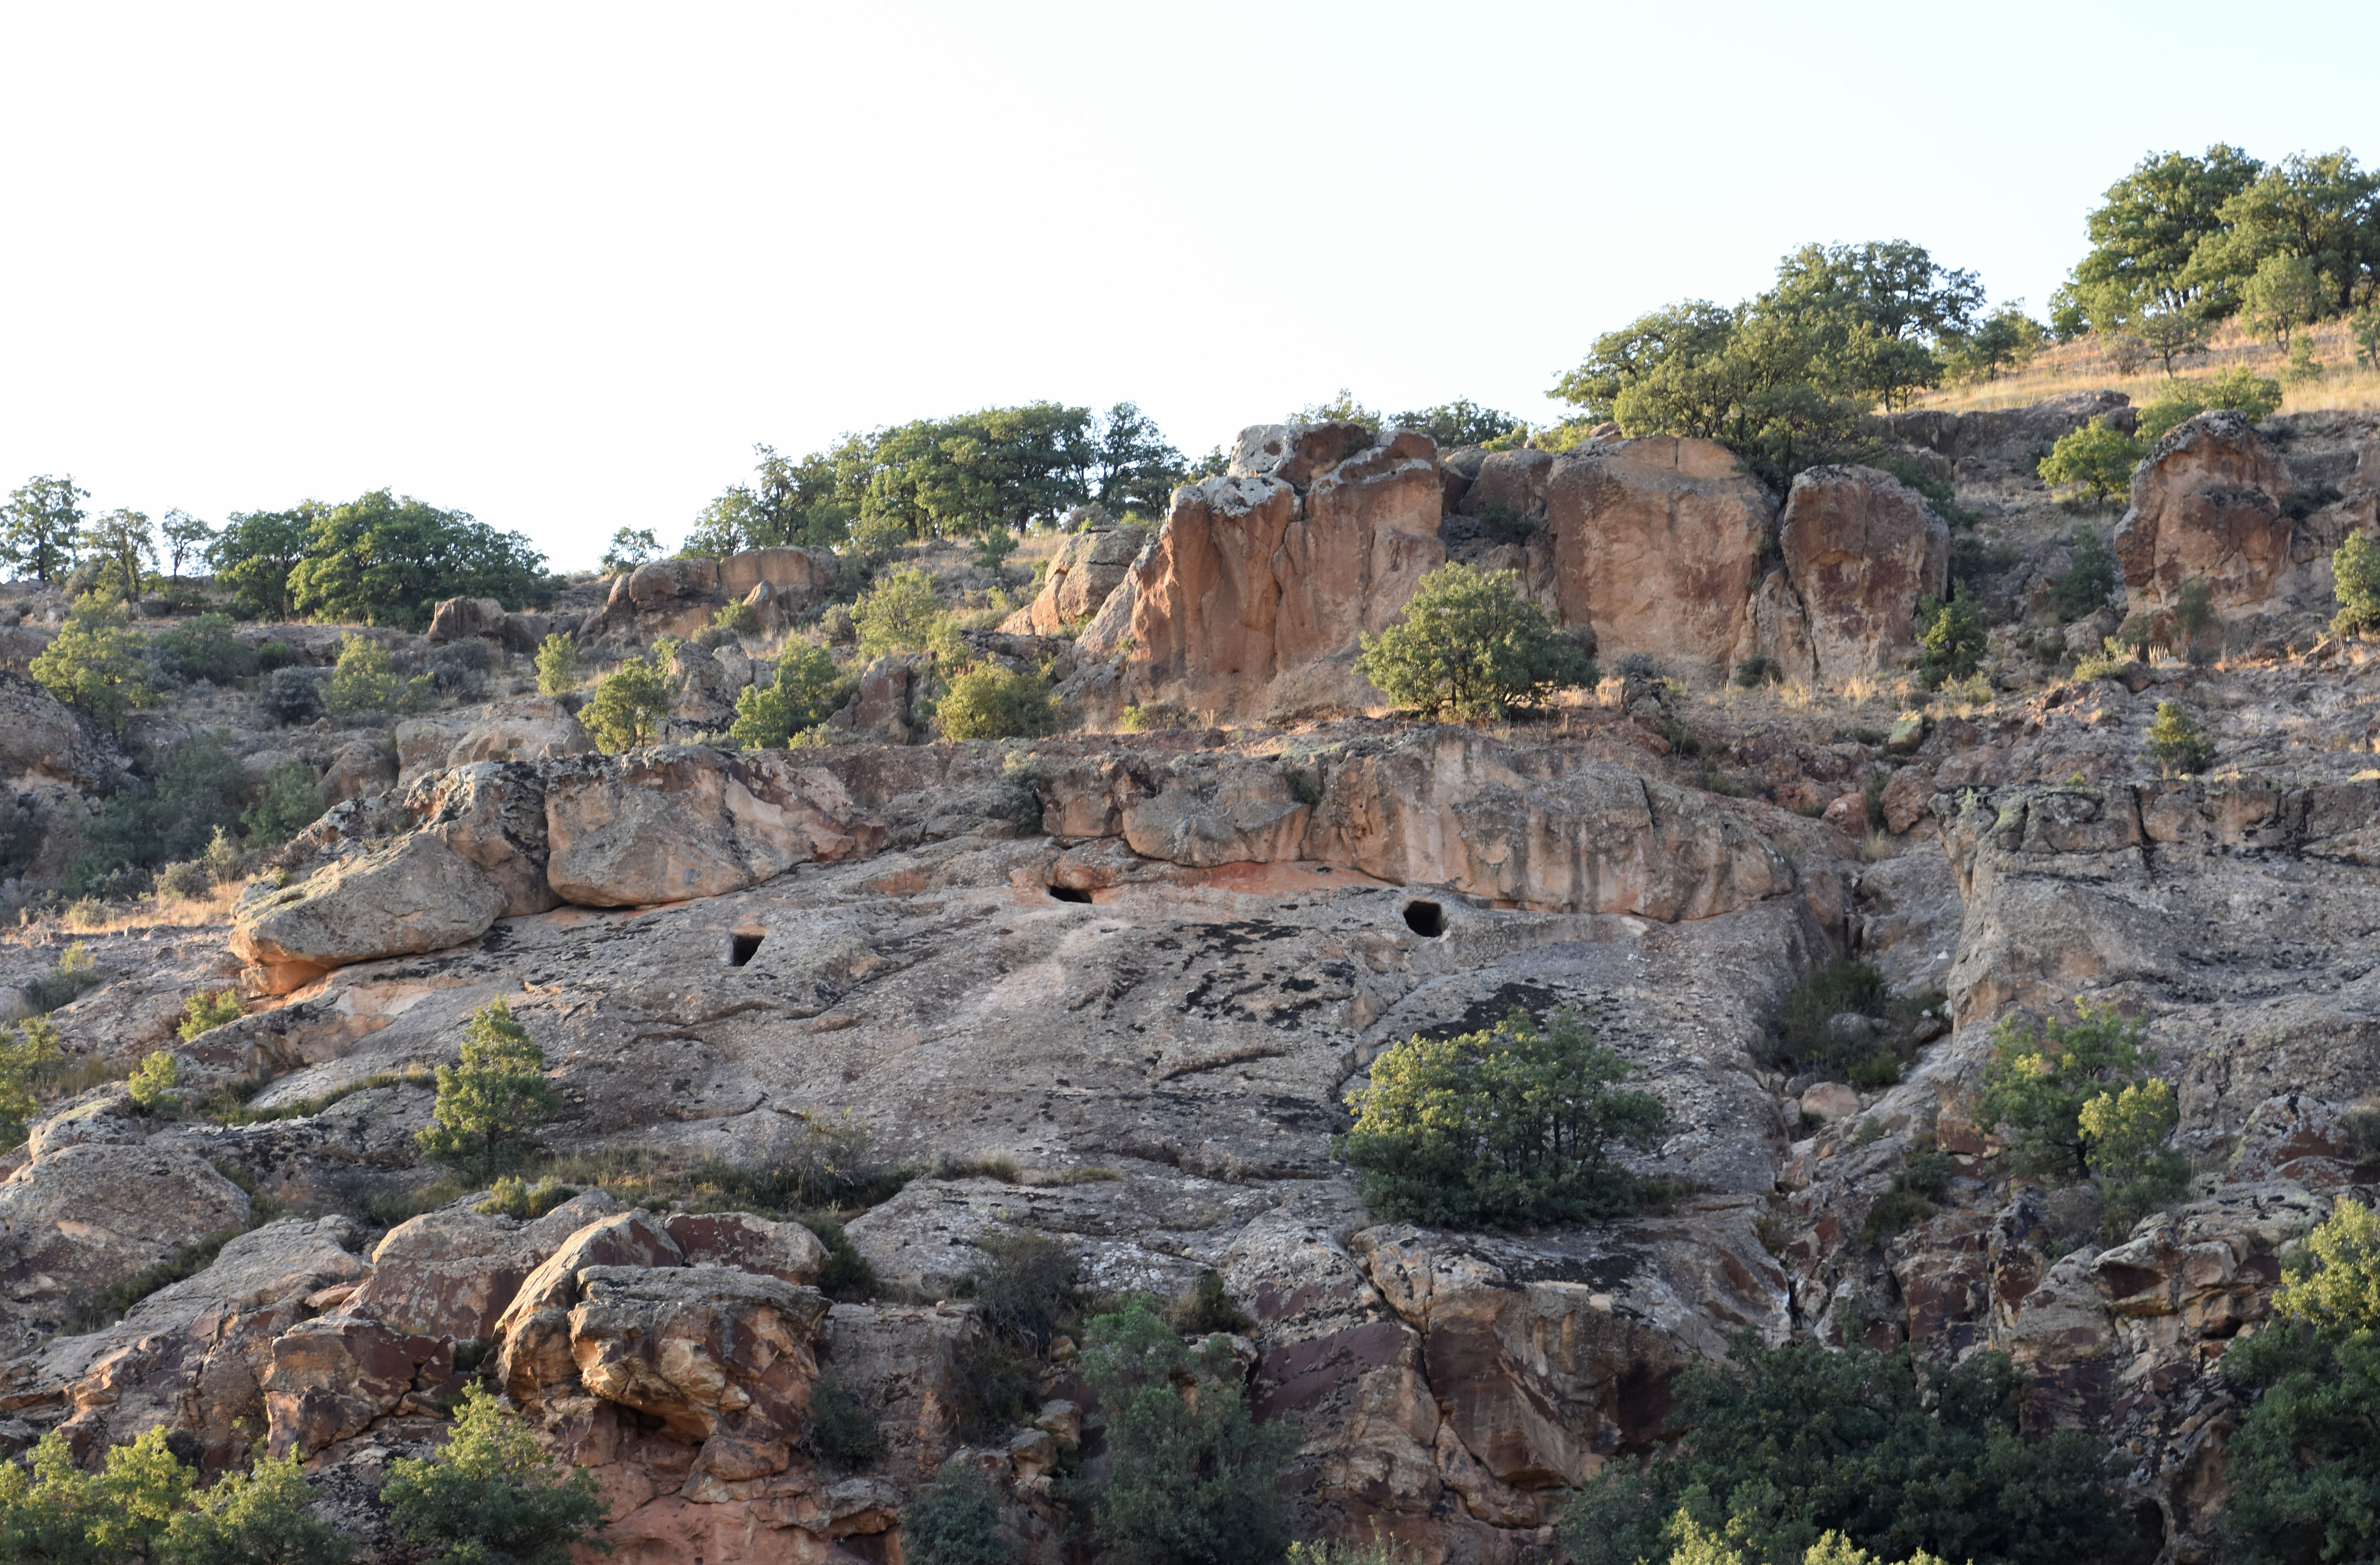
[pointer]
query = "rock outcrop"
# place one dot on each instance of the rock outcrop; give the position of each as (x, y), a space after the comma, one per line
(1250, 602)
(1861, 550)
(2206, 506)
(1088, 567)
(1656, 544)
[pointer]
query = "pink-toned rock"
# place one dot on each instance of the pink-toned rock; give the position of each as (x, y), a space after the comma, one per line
(786, 1251)
(326, 1379)
(2205, 504)
(1861, 549)
(1657, 545)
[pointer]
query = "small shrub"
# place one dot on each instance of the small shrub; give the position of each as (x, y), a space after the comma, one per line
(1509, 1126)
(274, 655)
(954, 1521)
(804, 692)
(363, 681)
(847, 1277)
(264, 1516)
(514, 1197)
(152, 1080)
(203, 649)
(738, 618)
(991, 702)
(74, 971)
(1953, 638)
(557, 665)
(843, 1433)
(2091, 576)
(1138, 718)
(1025, 1289)
(290, 696)
(287, 803)
(2355, 581)
(492, 1496)
(86, 913)
(630, 704)
(459, 669)
(2096, 459)
(184, 880)
(1205, 1308)
(203, 1013)
(224, 859)
(1469, 646)
(2128, 1137)
(2176, 744)
(488, 1105)
(1757, 670)
(902, 613)
(998, 1386)
(1809, 1033)
(28, 1051)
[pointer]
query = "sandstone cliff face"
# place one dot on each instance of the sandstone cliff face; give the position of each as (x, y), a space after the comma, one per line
(1658, 545)
(1248, 603)
(2205, 506)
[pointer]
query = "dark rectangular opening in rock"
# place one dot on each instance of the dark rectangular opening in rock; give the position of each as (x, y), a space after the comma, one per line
(741, 948)
(1069, 893)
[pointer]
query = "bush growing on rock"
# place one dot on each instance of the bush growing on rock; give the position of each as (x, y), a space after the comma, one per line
(2127, 1135)
(2096, 459)
(489, 1104)
(991, 702)
(2304, 1466)
(290, 696)
(2355, 580)
(2038, 1083)
(152, 1081)
(804, 693)
(203, 649)
(1193, 1477)
(1468, 645)
(27, 1049)
(1952, 636)
(180, 799)
(287, 803)
(492, 1496)
(954, 1521)
(1509, 1127)
(557, 665)
(2176, 744)
(262, 1517)
(902, 613)
(203, 1013)
(2241, 390)
(630, 704)
(364, 682)
(1787, 1445)
(1838, 1019)
(843, 1433)
(2091, 576)
(95, 665)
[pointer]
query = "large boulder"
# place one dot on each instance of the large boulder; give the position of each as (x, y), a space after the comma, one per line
(1657, 544)
(492, 817)
(413, 895)
(2206, 506)
(456, 618)
(1861, 549)
(1537, 830)
(90, 1215)
(1251, 601)
(1089, 566)
(796, 578)
(452, 1273)
(669, 824)
(41, 740)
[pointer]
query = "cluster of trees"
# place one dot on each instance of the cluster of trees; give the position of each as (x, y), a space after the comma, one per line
(2183, 242)
(961, 477)
(382, 559)
(1784, 378)
(491, 1494)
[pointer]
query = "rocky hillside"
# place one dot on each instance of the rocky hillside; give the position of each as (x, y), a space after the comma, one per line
(1113, 987)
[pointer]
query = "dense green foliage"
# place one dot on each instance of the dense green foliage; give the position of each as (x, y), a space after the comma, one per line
(1468, 645)
(492, 1496)
(944, 477)
(2098, 459)
(95, 664)
(27, 1049)
(2177, 745)
(2304, 1466)
(254, 553)
(954, 1521)
(1784, 379)
(2091, 578)
(557, 665)
(387, 560)
(804, 692)
(1953, 639)
(2074, 1100)
(168, 810)
(987, 701)
(365, 680)
(630, 703)
(145, 1504)
(41, 525)
(1513, 1126)
(1459, 422)
(287, 803)
(1805, 1034)
(900, 612)
(2355, 579)
(1194, 1479)
(487, 1106)
(203, 648)
(1788, 1444)
(121, 544)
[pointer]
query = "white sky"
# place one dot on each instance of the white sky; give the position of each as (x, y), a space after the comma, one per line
(561, 266)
